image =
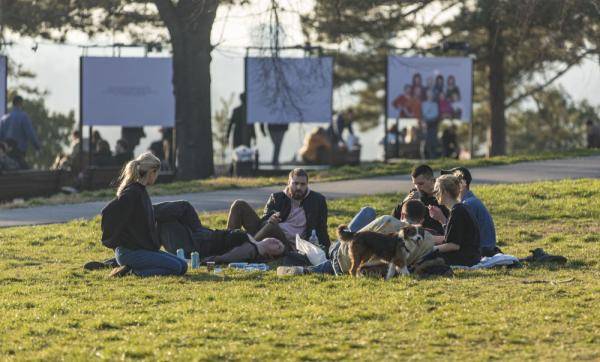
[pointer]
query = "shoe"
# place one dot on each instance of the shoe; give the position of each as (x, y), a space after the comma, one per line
(94, 265)
(120, 271)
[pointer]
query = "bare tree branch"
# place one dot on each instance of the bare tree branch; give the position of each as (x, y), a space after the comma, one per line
(541, 87)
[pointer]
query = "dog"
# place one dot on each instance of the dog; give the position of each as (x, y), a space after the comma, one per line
(390, 248)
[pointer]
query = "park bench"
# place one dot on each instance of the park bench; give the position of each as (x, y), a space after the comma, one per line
(31, 183)
(405, 150)
(95, 178)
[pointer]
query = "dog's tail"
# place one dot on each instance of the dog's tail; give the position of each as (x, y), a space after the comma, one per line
(344, 234)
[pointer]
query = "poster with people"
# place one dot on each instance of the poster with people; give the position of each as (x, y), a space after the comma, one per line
(127, 91)
(285, 90)
(429, 89)
(3, 75)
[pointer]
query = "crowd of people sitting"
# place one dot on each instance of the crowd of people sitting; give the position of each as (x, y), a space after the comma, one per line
(456, 227)
(102, 156)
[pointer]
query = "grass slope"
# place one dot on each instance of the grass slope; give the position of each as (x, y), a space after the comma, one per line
(52, 309)
(367, 169)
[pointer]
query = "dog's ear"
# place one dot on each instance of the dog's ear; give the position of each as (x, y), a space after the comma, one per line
(343, 233)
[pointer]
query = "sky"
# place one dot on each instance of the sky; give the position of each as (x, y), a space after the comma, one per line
(57, 70)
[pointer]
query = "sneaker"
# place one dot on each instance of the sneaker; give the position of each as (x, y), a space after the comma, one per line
(120, 271)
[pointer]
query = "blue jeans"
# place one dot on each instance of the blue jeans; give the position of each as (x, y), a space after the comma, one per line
(145, 263)
(360, 220)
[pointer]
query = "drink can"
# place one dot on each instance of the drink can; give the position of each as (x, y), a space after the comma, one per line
(195, 260)
(210, 266)
(181, 253)
(238, 265)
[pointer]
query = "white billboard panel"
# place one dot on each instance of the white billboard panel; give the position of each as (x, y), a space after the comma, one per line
(129, 92)
(445, 81)
(286, 90)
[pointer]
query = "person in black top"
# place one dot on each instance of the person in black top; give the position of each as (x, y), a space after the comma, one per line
(423, 180)
(460, 243)
(129, 225)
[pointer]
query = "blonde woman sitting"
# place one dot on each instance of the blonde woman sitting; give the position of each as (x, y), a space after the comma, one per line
(129, 225)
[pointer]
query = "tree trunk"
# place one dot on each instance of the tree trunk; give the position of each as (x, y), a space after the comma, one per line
(497, 135)
(190, 23)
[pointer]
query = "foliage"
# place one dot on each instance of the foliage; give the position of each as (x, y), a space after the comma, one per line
(52, 309)
(365, 170)
(520, 47)
(556, 123)
(52, 128)
(221, 122)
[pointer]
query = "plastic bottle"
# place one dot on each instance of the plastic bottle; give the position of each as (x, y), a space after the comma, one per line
(256, 267)
(313, 237)
(181, 253)
(195, 260)
(237, 265)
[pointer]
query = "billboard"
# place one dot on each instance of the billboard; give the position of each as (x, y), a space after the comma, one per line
(286, 90)
(417, 84)
(131, 92)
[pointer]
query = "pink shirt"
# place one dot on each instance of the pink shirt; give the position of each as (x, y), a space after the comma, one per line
(295, 222)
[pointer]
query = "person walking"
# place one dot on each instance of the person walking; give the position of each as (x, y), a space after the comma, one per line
(17, 126)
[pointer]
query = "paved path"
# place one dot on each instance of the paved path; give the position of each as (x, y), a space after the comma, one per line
(586, 167)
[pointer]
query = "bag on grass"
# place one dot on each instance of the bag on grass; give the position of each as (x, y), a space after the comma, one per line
(314, 254)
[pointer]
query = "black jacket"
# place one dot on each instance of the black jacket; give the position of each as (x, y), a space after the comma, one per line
(315, 209)
(128, 221)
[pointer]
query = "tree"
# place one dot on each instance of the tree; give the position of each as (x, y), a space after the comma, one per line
(516, 43)
(556, 123)
(189, 24)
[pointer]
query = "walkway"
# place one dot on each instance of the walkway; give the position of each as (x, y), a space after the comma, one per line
(586, 167)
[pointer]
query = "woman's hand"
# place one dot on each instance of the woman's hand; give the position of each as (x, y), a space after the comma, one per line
(438, 239)
(437, 214)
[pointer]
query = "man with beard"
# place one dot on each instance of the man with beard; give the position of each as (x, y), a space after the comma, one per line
(295, 210)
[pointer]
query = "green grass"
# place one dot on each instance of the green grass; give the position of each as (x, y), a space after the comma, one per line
(368, 169)
(52, 309)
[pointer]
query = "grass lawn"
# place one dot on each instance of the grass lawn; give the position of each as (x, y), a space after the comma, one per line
(52, 309)
(368, 169)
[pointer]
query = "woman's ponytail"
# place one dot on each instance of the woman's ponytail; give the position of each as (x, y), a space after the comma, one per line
(135, 170)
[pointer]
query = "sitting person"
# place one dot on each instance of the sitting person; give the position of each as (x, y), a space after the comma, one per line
(317, 147)
(460, 243)
(129, 225)
(482, 217)
(423, 180)
(295, 210)
(102, 157)
(122, 153)
(7, 163)
(70, 161)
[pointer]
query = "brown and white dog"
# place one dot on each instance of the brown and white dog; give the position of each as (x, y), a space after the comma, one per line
(390, 248)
